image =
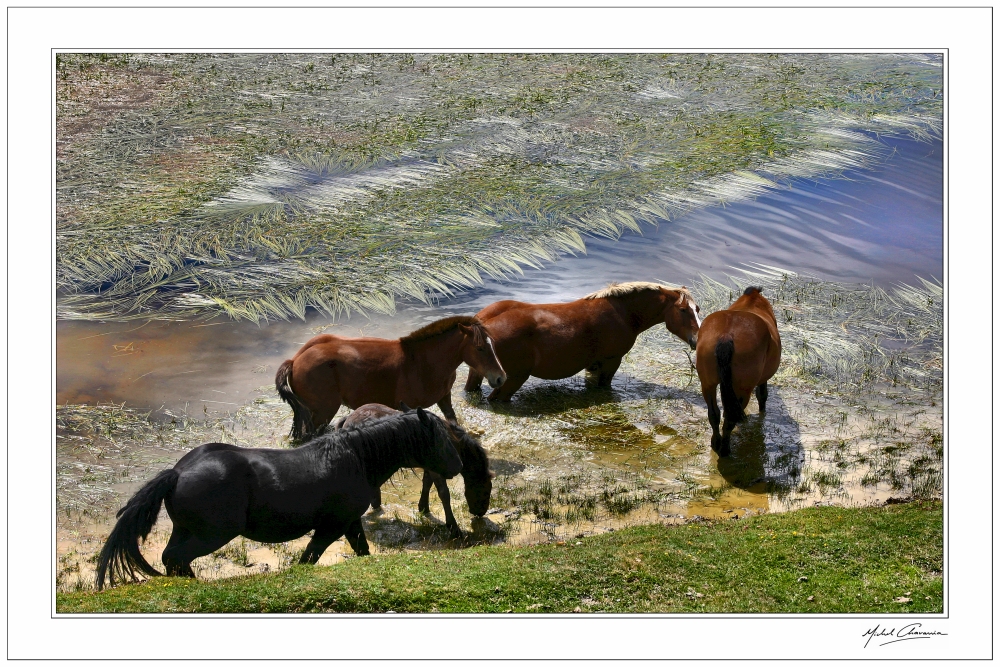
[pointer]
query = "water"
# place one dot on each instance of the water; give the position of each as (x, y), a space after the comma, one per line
(882, 226)
(645, 436)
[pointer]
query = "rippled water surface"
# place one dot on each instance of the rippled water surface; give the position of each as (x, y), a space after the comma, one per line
(883, 225)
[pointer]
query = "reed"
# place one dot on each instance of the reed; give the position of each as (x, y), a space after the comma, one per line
(258, 186)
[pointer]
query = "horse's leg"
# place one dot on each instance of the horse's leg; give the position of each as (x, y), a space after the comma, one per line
(713, 415)
(608, 369)
(761, 392)
(355, 535)
(424, 504)
(321, 539)
(183, 547)
(446, 409)
(507, 389)
(441, 484)
(475, 381)
(727, 431)
(377, 498)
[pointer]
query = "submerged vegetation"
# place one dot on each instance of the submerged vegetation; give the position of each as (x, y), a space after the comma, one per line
(260, 185)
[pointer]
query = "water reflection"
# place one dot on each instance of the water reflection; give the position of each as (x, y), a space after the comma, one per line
(767, 452)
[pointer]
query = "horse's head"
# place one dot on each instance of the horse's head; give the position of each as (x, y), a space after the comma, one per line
(480, 354)
(442, 457)
(681, 315)
(475, 470)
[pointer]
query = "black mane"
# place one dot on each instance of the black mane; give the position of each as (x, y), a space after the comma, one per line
(380, 444)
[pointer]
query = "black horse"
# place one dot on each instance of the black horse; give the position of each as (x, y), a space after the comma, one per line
(218, 491)
(475, 467)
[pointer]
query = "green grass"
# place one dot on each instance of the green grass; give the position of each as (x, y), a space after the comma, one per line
(259, 185)
(853, 560)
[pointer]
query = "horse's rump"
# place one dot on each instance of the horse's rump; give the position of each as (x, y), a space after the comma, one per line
(302, 423)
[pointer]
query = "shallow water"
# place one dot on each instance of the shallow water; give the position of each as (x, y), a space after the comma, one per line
(634, 453)
(883, 226)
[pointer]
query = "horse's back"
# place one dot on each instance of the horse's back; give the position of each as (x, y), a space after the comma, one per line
(358, 370)
(498, 307)
(558, 340)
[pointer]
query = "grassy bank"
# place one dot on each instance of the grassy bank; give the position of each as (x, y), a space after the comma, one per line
(824, 559)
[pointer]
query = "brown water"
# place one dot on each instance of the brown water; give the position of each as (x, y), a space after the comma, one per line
(571, 461)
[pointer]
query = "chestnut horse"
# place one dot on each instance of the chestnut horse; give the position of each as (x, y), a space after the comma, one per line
(739, 349)
(475, 467)
(557, 340)
(418, 369)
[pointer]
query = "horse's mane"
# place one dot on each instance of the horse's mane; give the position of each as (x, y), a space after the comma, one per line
(624, 289)
(443, 326)
(475, 461)
(378, 442)
(753, 288)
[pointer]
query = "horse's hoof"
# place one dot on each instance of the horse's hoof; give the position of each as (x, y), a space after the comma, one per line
(456, 532)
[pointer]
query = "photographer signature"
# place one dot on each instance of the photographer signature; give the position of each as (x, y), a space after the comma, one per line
(905, 633)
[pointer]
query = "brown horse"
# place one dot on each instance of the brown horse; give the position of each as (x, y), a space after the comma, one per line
(738, 350)
(418, 369)
(557, 340)
(475, 467)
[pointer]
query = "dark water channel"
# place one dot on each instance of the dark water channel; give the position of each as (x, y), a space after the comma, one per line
(882, 225)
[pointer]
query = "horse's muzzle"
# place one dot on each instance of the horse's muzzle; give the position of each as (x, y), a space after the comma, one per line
(497, 380)
(693, 340)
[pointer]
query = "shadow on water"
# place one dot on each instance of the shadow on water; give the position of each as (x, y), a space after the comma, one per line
(767, 452)
(553, 397)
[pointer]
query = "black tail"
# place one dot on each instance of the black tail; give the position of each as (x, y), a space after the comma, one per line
(302, 424)
(120, 557)
(731, 409)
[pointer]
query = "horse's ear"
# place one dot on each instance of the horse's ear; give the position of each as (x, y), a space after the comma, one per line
(680, 297)
(465, 329)
(424, 419)
(404, 407)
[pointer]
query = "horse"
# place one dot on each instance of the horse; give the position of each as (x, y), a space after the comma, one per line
(418, 368)
(218, 491)
(738, 350)
(557, 340)
(475, 468)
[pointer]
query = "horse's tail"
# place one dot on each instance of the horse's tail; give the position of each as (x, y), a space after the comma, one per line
(120, 557)
(302, 424)
(731, 408)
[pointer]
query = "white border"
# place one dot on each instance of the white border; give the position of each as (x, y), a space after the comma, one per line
(32, 33)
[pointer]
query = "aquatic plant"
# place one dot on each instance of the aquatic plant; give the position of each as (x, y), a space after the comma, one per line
(260, 185)
(855, 335)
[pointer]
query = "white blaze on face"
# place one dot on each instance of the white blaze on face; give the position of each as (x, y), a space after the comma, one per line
(489, 341)
(694, 311)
